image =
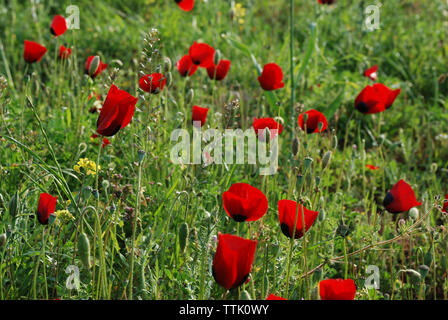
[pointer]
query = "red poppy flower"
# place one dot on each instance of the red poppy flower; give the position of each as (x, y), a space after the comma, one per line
(186, 67)
(445, 204)
(337, 289)
(372, 167)
(243, 202)
(274, 297)
(400, 198)
(58, 26)
(371, 72)
(199, 114)
(202, 54)
(233, 260)
(33, 51)
(116, 113)
(220, 71)
(312, 123)
(261, 124)
(287, 213)
(64, 52)
(271, 78)
(186, 5)
(375, 99)
(152, 83)
(94, 71)
(47, 206)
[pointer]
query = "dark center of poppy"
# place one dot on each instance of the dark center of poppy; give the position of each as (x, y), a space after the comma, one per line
(178, 1)
(362, 107)
(239, 218)
(310, 130)
(52, 31)
(285, 230)
(388, 199)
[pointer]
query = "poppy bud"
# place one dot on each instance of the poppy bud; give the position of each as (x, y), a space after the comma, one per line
(217, 57)
(189, 97)
(14, 204)
(84, 250)
(167, 64)
(334, 142)
(414, 276)
(317, 180)
(424, 269)
(95, 193)
(413, 213)
(326, 159)
(245, 295)
(3, 239)
(183, 236)
(94, 65)
(295, 146)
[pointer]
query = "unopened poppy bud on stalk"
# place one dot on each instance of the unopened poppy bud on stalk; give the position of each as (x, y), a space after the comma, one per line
(3, 239)
(189, 96)
(167, 64)
(295, 146)
(217, 57)
(94, 65)
(326, 159)
(141, 155)
(413, 213)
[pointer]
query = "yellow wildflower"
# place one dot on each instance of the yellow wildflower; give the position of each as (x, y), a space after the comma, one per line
(64, 215)
(89, 166)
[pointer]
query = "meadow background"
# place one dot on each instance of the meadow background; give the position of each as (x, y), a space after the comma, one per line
(331, 50)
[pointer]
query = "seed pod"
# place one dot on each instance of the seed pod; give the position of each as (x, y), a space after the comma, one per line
(183, 236)
(307, 162)
(189, 96)
(295, 146)
(326, 159)
(424, 269)
(317, 180)
(245, 295)
(3, 239)
(94, 65)
(334, 142)
(300, 180)
(14, 204)
(84, 250)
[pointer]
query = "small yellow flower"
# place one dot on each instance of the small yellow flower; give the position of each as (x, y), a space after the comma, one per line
(239, 12)
(64, 215)
(89, 166)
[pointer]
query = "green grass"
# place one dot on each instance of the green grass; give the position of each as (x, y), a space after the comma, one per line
(330, 49)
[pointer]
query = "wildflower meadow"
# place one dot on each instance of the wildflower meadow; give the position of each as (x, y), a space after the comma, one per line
(223, 150)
